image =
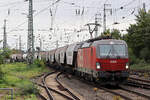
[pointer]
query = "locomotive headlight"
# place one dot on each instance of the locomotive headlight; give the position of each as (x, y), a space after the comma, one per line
(127, 66)
(98, 65)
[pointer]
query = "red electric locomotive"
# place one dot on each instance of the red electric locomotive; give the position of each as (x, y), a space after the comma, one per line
(104, 59)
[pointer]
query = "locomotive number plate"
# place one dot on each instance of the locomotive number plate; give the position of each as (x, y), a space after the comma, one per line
(113, 61)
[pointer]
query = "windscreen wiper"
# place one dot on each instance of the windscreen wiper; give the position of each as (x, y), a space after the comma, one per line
(108, 54)
(118, 56)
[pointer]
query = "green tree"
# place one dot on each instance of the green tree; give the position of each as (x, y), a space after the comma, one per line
(4, 54)
(144, 54)
(116, 34)
(106, 33)
(138, 37)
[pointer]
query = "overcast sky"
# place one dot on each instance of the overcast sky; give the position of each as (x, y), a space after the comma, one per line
(68, 26)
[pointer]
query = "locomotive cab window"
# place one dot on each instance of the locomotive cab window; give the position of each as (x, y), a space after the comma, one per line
(105, 50)
(119, 50)
(85, 45)
(109, 50)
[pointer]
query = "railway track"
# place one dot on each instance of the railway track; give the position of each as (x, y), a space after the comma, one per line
(122, 91)
(141, 73)
(137, 82)
(74, 96)
(130, 90)
(114, 93)
(41, 97)
(125, 92)
(54, 89)
(138, 79)
(106, 89)
(46, 87)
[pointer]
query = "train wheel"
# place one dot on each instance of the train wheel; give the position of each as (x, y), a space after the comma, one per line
(73, 71)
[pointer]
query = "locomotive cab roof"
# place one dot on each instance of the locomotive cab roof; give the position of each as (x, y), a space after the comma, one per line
(102, 40)
(99, 38)
(109, 41)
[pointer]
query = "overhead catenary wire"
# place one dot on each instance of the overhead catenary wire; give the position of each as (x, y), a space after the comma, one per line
(129, 3)
(125, 5)
(98, 11)
(125, 21)
(10, 4)
(38, 14)
(46, 8)
(85, 8)
(122, 8)
(131, 11)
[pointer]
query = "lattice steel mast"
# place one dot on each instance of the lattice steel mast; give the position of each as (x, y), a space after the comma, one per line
(5, 36)
(30, 43)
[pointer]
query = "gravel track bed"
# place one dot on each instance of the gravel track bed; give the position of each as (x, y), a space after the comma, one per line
(140, 77)
(87, 91)
(41, 90)
(140, 90)
(50, 81)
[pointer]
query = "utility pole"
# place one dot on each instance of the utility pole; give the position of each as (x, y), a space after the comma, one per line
(96, 24)
(57, 44)
(17, 44)
(20, 43)
(40, 44)
(92, 30)
(30, 43)
(104, 18)
(5, 36)
(144, 7)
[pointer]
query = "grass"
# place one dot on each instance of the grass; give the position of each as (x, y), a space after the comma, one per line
(17, 76)
(141, 66)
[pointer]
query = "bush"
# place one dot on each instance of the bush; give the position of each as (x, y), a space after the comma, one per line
(144, 54)
(132, 57)
(38, 63)
(18, 75)
(27, 88)
(1, 74)
(1, 59)
(4, 55)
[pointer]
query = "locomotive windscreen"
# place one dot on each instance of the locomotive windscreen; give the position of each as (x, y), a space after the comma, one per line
(112, 50)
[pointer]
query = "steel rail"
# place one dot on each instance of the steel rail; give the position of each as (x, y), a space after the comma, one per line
(50, 89)
(67, 97)
(137, 79)
(115, 93)
(137, 84)
(41, 96)
(137, 93)
(57, 79)
(103, 88)
(46, 87)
